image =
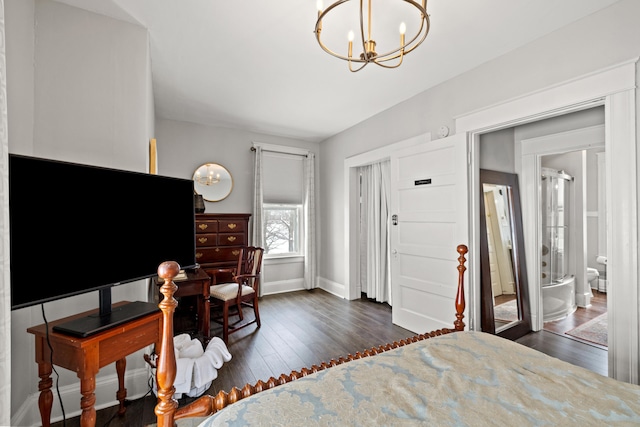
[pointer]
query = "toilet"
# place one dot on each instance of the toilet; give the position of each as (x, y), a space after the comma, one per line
(592, 277)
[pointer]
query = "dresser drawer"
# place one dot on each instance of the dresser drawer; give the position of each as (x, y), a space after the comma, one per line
(206, 239)
(228, 255)
(231, 226)
(232, 239)
(206, 226)
(217, 254)
(206, 255)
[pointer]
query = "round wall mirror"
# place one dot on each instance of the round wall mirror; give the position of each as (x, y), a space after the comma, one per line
(213, 182)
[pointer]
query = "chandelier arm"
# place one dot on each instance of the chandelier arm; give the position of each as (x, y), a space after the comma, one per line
(395, 54)
(358, 69)
(390, 66)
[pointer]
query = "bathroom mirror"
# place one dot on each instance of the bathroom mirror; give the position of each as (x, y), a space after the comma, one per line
(504, 292)
(213, 182)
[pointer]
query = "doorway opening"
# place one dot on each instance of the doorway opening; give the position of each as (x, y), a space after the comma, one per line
(569, 220)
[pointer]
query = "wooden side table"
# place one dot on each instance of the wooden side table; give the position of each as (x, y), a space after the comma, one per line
(87, 355)
(197, 283)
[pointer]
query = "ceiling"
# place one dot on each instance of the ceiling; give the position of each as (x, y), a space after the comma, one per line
(256, 65)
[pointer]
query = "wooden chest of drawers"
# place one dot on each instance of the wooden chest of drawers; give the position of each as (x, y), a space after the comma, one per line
(219, 238)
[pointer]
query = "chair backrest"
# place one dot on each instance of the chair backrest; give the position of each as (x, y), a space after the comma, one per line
(250, 263)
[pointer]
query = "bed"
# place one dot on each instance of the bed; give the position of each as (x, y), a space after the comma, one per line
(448, 377)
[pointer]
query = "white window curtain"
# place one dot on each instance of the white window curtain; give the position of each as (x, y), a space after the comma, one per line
(5, 306)
(375, 276)
(309, 206)
(257, 233)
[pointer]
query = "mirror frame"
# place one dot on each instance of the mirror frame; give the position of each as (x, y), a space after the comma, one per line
(522, 326)
(215, 192)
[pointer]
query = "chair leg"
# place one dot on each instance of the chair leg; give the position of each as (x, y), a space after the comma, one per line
(239, 305)
(225, 323)
(255, 310)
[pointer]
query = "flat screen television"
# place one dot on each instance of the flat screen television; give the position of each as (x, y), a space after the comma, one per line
(77, 228)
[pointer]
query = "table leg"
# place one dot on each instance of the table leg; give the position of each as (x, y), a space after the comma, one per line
(204, 314)
(207, 317)
(121, 395)
(45, 401)
(88, 401)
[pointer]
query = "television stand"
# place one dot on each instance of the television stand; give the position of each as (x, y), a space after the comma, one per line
(94, 323)
(86, 356)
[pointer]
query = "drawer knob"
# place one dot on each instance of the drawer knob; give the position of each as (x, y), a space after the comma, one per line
(235, 253)
(203, 226)
(203, 239)
(232, 226)
(231, 238)
(198, 255)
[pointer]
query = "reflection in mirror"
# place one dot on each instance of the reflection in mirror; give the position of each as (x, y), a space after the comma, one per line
(504, 301)
(213, 182)
(499, 243)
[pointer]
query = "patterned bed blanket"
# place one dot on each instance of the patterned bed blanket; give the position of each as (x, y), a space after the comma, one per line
(459, 379)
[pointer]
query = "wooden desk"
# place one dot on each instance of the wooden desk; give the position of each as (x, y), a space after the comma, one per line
(87, 355)
(197, 283)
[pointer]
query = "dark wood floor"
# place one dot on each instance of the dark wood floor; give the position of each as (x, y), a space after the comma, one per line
(303, 328)
(580, 316)
(553, 340)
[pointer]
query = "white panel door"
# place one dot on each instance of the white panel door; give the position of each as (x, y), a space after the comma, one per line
(430, 200)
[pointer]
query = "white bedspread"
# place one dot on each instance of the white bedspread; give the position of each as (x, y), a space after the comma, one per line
(459, 379)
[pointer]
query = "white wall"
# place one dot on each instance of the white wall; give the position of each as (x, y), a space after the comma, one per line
(183, 147)
(595, 42)
(78, 89)
(497, 151)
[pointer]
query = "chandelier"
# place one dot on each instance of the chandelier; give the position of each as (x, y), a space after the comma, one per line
(209, 178)
(394, 52)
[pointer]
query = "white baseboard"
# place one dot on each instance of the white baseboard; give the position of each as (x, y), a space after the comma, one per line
(136, 383)
(282, 286)
(334, 288)
(583, 300)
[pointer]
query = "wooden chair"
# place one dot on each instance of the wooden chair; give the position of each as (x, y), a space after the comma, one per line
(241, 291)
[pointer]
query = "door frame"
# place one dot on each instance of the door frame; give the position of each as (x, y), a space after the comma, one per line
(532, 150)
(351, 290)
(613, 88)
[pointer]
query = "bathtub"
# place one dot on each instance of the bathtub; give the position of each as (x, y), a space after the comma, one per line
(559, 299)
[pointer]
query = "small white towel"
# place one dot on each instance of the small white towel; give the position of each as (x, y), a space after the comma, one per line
(203, 371)
(218, 347)
(179, 341)
(206, 366)
(184, 375)
(192, 350)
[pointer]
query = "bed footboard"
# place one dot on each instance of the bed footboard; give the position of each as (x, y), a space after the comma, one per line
(166, 409)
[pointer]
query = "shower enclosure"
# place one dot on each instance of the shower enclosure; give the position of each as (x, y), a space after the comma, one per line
(558, 285)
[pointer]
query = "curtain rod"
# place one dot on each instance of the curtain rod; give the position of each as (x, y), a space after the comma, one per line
(281, 152)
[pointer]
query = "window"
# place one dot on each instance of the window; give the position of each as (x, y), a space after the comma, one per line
(282, 181)
(282, 229)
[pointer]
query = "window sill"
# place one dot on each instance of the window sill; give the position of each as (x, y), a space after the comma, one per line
(284, 258)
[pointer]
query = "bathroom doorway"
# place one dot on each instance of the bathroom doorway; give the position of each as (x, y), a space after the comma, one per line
(573, 143)
(566, 168)
(574, 240)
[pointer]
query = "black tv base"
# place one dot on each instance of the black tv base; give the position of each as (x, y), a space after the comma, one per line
(94, 323)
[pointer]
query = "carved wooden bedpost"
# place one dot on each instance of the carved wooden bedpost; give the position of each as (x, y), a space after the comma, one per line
(166, 363)
(460, 304)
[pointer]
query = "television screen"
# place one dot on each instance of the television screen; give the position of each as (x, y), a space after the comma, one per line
(77, 228)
